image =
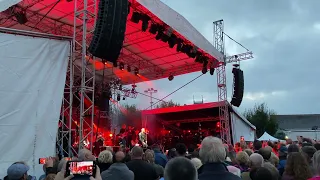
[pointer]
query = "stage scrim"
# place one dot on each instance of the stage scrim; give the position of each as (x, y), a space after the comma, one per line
(33, 73)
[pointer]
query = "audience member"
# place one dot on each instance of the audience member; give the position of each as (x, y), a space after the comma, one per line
(308, 152)
(86, 155)
(316, 165)
(212, 154)
(261, 174)
(141, 169)
(257, 145)
(17, 171)
(293, 148)
(196, 162)
(160, 158)
(118, 170)
(180, 168)
(283, 153)
(243, 161)
(296, 168)
(181, 149)
(105, 160)
(256, 160)
(149, 157)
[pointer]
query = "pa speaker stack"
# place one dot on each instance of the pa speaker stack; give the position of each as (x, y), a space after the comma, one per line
(238, 86)
(110, 29)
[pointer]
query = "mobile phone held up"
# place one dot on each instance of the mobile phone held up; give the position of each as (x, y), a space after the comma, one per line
(42, 160)
(81, 168)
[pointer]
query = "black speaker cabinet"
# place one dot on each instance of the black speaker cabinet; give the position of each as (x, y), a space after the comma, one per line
(238, 87)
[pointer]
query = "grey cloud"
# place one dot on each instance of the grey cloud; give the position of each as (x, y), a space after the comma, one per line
(284, 41)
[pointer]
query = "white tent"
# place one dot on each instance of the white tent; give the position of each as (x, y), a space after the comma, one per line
(267, 137)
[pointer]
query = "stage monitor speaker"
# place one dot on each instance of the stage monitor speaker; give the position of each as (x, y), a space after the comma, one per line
(110, 29)
(238, 87)
(104, 101)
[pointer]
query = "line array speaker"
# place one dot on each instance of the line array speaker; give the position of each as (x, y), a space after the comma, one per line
(110, 29)
(238, 87)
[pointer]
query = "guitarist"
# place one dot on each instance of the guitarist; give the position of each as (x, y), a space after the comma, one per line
(143, 138)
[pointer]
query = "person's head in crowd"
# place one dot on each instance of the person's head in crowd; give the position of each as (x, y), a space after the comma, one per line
(50, 177)
(248, 151)
(289, 141)
(136, 153)
(105, 157)
(274, 159)
(317, 146)
(243, 158)
(316, 163)
(86, 155)
(119, 157)
(297, 166)
(196, 162)
(283, 152)
(149, 156)
(256, 160)
(181, 149)
(274, 171)
(18, 171)
(172, 153)
(270, 144)
(156, 147)
(212, 150)
(180, 168)
(308, 152)
(293, 148)
(191, 149)
(265, 153)
(195, 154)
(261, 173)
(257, 145)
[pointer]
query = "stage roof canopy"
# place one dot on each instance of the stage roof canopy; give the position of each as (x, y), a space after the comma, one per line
(153, 58)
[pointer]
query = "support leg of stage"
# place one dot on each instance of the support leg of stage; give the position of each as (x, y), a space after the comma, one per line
(218, 41)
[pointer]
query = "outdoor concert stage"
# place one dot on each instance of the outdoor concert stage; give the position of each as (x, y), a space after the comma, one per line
(195, 120)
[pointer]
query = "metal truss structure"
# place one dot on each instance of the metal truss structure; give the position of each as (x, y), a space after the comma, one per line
(85, 11)
(218, 40)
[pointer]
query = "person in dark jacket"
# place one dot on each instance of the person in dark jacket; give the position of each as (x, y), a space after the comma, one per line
(212, 154)
(160, 158)
(283, 153)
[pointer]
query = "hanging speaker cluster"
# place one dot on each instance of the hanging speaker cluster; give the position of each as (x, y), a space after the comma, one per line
(110, 29)
(238, 86)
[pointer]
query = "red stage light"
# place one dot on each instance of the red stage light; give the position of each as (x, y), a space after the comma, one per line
(110, 134)
(218, 124)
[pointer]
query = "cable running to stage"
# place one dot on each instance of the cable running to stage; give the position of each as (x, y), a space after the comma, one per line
(175, 91)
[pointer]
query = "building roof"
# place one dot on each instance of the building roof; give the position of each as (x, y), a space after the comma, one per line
(298, 121)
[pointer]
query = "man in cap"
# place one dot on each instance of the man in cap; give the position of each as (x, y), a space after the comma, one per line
(18, 171)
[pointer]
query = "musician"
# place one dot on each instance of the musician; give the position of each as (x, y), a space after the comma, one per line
(123, 136)
(143, 138)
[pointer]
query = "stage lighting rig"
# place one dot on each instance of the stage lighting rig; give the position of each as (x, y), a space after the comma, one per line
(193, 52)
(212, 71)
(136, 17)
(136, 71)
(121, 66)
(153, 28)
(128, 68)
(145, 22)
(118, 97)
(205, 67)
(179, 44)
(171, 77)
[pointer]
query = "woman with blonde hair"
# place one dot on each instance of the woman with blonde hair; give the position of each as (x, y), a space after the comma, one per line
(316, 165)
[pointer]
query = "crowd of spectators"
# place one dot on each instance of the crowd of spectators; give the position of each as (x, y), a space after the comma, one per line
(212, 160)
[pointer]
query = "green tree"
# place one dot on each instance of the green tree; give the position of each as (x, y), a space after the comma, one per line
(280, 135)
(131, 108)
(262, 117)
(164, 104)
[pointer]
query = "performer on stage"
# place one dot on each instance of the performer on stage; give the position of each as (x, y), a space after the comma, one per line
(143, 138)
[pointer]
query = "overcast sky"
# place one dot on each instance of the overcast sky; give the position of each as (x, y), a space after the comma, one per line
(285, 38)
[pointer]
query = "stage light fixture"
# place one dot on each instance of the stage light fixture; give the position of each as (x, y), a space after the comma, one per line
(205, 67)
(115, 64)
(212, 71)
(136, 17)
(153, 29)
(145, 22)
(118, 97)
(171, 77)
(159, 35)
(179, 44)
(121, 66)
(21, 17)
(124, 98)
(129, 68)
(120, 87)
(136, 71)
(172, 40)
(164, 38)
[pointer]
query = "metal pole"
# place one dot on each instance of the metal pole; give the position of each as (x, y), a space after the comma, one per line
(151, 91)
